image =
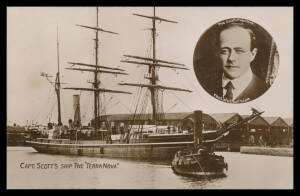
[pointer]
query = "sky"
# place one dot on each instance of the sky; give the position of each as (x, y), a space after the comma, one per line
(32, 49)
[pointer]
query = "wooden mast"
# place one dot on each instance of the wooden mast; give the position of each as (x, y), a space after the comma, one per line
(153, 63)
(153, 75)
(57, 84)
(158, 60)
(96, 83)
(97, 69)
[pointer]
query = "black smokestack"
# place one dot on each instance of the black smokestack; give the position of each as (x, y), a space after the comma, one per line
(198, 128)
(76, 107)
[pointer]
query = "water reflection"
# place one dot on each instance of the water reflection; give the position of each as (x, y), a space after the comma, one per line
(245, 172)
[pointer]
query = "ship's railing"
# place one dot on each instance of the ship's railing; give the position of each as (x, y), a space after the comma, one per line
(87, 142)
(67, 141)
(53, 141)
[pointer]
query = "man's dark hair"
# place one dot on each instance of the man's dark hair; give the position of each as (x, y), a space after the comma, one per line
(241, 25)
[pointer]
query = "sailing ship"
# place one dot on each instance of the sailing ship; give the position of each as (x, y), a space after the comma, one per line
(103, 148)
(133, 143)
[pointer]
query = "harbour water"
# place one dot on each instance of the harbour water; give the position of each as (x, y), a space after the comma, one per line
(28, 169)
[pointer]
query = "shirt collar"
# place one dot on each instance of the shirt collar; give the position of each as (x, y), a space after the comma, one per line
(240, 83)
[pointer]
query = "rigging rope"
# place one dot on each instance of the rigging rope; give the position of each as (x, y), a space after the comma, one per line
(49, 115)
(44, 108)
(120, 102)
(86, 104)
(161, 108)
(139, 110)
(199, 164)
(182, 102)
(65, 112)
(195, 88)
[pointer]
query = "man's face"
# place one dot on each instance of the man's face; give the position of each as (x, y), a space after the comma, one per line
(235, 52)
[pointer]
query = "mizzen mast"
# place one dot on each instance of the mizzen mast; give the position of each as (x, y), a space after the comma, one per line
(97, 70)
(154, 63)
(57, 82)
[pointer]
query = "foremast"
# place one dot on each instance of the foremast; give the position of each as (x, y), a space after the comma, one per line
(153, 63)
(96, 69)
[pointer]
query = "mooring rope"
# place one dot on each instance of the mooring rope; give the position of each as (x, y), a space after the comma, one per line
(201, 168)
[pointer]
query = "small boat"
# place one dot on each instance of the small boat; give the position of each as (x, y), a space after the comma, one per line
(200, 159)
(199, 162)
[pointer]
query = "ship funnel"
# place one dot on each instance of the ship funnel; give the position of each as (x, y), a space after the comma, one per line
(198, 127)
(70, 124)
(76, 107)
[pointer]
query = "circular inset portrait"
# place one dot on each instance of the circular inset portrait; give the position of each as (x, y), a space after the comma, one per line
(236, 60)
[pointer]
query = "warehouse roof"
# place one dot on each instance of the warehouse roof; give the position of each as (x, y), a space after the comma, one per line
(276, 121)
(218, 117)
(223, 117)
(270, 119)
(289, 121)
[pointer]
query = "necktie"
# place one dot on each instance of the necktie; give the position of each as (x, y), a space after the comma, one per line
(229, 87)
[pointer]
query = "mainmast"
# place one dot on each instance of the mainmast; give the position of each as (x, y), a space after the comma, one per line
(96, 83)
(152, 70)
(153, 76)
(97, 70)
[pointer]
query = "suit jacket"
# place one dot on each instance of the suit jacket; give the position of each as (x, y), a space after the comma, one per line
(255, 88)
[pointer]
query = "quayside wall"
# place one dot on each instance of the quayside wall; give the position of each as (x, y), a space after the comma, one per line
(289, 152)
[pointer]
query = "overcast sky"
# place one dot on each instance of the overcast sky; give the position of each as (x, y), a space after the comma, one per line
(31, 49)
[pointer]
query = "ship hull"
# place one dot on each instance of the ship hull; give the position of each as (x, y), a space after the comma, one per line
(197, 172)
(202, 163)
(144, 151)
